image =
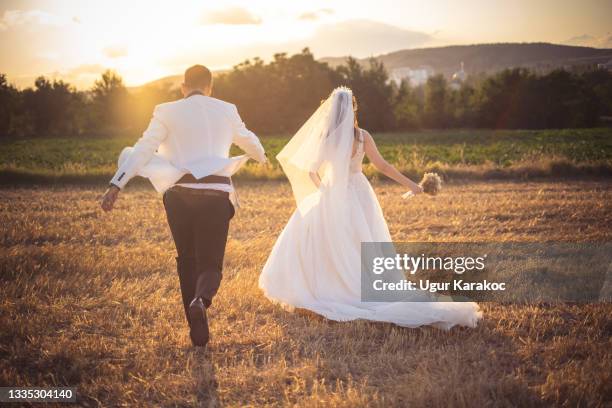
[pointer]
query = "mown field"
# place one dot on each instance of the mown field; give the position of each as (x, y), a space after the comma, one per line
(91, 300)
(481, 154)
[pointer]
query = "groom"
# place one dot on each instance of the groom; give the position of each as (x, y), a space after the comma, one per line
(194, 134)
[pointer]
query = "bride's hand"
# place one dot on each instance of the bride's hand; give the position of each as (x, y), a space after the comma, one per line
(417, 189)
(414, 190)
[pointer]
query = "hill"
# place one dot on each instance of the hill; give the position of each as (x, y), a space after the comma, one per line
(478, 58)
(488, 58)
(172, 81)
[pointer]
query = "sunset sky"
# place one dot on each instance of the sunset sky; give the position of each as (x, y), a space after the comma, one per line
(145, 40)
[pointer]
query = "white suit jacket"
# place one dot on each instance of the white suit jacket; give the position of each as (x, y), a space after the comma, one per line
(191, 135)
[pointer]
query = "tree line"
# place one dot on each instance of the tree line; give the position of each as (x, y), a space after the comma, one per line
(278, 96)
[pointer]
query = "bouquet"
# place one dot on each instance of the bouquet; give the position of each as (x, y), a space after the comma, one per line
(431, 184)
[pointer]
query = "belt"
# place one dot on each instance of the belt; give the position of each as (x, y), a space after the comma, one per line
(199, 191)
(212, 179)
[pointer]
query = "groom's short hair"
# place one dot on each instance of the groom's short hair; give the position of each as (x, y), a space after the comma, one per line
(198, 76)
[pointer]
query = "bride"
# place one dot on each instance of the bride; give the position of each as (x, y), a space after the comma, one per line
(315, 263)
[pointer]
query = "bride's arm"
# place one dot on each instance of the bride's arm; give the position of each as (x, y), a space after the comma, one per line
(385, 167)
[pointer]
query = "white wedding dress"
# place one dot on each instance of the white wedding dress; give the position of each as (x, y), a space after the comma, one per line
(315, 263)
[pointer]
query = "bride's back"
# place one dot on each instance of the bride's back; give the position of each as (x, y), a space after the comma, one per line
(358, 151)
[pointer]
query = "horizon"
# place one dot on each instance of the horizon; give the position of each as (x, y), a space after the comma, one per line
(219, 70)
(71, 41)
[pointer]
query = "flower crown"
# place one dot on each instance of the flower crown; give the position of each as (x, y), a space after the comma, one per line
(342, 89)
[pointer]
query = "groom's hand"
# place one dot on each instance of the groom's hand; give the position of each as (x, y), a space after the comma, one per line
(109, 198)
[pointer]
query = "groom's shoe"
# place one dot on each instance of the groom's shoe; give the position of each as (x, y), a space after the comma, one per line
(199, 322)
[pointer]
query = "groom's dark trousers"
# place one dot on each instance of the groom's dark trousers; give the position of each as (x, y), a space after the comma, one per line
(199, 221)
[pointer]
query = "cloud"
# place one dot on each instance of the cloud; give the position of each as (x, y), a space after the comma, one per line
(14, 18)
(82, 76)
(358, 38)
(363, 38)
(115, 51)
(587, 40)
(315, 15)
(231, 16)
(86, 69)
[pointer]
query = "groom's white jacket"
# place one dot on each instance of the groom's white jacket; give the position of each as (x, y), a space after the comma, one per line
(193, 135)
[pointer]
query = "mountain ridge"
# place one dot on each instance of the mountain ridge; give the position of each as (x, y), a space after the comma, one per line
(488, 58)
(478, 58)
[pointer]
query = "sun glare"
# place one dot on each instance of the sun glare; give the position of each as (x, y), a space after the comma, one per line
(163, 39)
(144, 40)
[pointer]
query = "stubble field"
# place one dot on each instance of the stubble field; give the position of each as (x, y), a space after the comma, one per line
(91, 300)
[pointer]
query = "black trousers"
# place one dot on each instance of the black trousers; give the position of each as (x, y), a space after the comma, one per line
(199, 221)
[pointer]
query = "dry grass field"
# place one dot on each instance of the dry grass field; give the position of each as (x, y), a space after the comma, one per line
(91, 300)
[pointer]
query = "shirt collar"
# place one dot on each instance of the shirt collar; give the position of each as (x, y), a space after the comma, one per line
(195, 93)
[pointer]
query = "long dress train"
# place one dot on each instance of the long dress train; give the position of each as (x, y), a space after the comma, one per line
(315, 265)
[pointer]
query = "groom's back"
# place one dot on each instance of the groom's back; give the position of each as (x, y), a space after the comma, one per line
(197, 127)
(194, 134)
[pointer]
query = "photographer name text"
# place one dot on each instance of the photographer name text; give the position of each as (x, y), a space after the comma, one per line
(427, 285)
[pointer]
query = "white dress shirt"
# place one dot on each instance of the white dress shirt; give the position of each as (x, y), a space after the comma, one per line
(194, 135)
(209, 186)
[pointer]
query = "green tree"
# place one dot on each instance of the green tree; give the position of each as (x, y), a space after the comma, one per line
(110, 103)
(53, 107)
(279, 96)
(407, 107)
(570, 101)
(13, 120)
(500, 99)
(600, 81)
(435, 111)
(461, 106)
(373, 92)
